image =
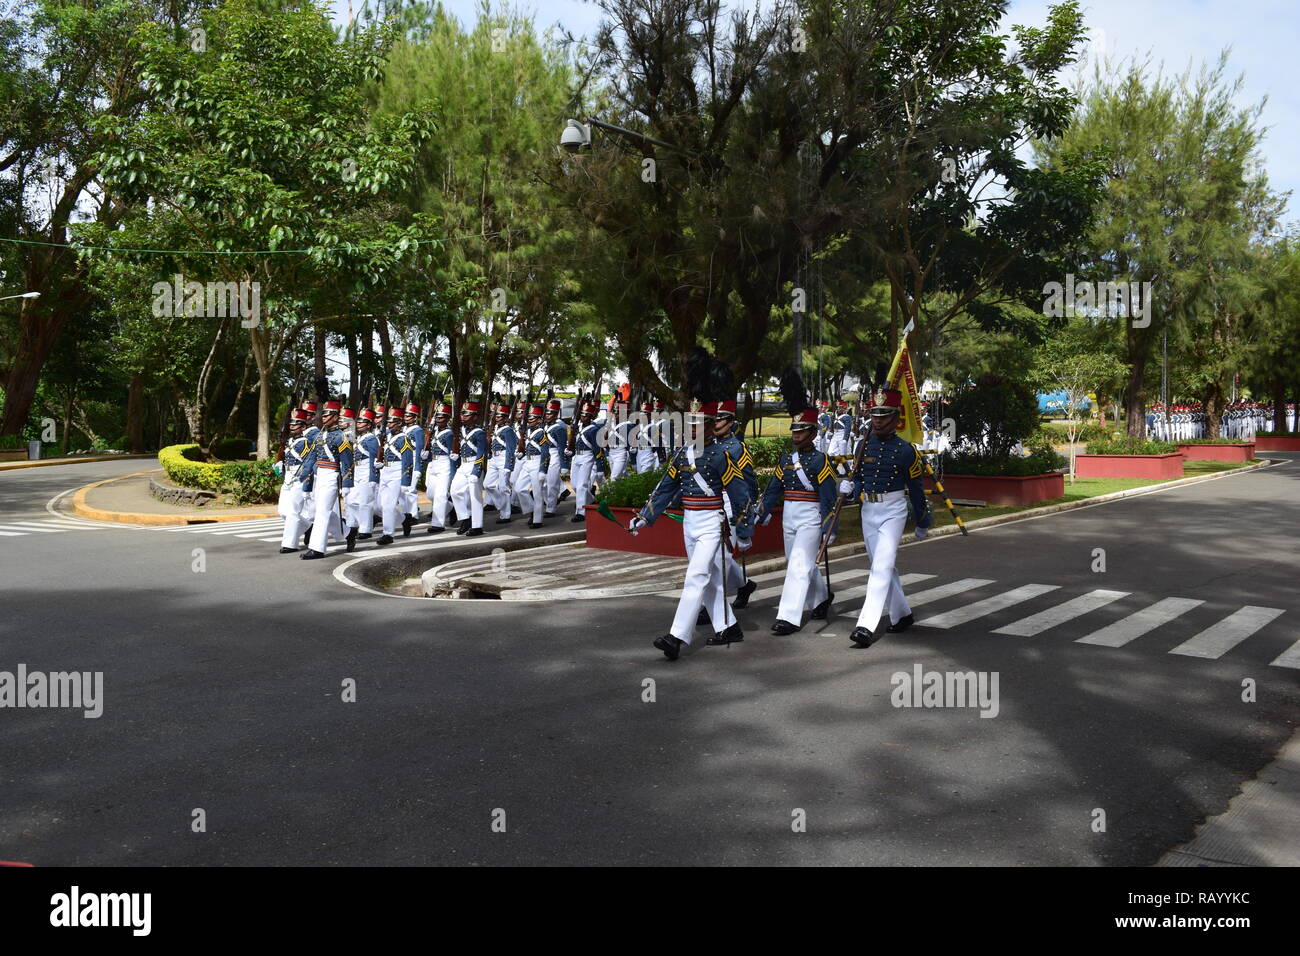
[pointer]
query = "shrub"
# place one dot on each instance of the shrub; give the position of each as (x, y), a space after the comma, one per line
(232, 449)
(994, 415)
(1040, 460)
(251, 482)
(1215, 441)
(630, 491)
(185, 466)
(1129, 446)
(1087, 431)
(766, 452)
(8, 442)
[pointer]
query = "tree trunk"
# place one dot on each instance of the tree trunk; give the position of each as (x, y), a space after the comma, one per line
(37, 332)
(386, 350)
(322, 374)
(354, 372)
(135, 415)
(1135, 400)
(259, 343)
(1213, 402)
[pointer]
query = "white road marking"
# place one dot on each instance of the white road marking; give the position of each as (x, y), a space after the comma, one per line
(1140, 622)
(946, 590)
(1215, 641)
(988, 606)
(1288, 658)
(1066, 611)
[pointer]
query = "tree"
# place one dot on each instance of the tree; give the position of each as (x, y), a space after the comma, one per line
(1072, 362)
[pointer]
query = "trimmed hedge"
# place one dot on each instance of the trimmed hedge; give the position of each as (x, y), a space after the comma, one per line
(1215, 441)
(248, 482)
(1129, 446)
(1039, 461)
(185, 466)
(232, 449)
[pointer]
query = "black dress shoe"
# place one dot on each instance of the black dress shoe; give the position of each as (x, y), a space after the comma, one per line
(564, 494)
(702, 618)
(670, 645)
(820, 612)
(352, 540)
(386, 539)
(742, 596)
(473, 532)
(549, 514)
(306, 536)
(288, 550)
(534, 524)
(784, 627)
(489, 508)
(903, 624)
(311, 555)
(732, 635)
(435, 529)
(407, 522)
(462, 527)
(365, 536)
(576, 518)
(861, 637)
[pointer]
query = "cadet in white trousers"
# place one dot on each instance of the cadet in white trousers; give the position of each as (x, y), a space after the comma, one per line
(442, 462)
(296, 507)
(536, 458)
(889, 476)
(398, 463)
(365, 479)
(558, 432)
(588, 453)
(467, 483)
(618, 441)
(724, 431)
(648, 439)
(411, 490)
(804, 488)
(713, 494)
(501, 463)
(328, 462)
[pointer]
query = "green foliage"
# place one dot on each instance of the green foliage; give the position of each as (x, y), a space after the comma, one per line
(1086, 432)
(251, 482)
(8, 442)
(231, 449)
(1039, 461)
(1130, 446)
(185, 466)
(993, 415)
(766, 452)
(631, 491)
(1214, 441)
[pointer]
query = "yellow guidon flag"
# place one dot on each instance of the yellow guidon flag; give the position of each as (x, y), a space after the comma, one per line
(902, 378)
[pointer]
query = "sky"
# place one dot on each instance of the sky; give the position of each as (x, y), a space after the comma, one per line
(1261, 36)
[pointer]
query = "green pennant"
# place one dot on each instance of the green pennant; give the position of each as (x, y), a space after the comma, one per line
(604, 511)
(678, 518)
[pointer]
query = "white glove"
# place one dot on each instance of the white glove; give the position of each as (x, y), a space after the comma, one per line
(744, 544)
(424, 455)
(921, 534)
(636, 524)
(454, 457)
(846, 487)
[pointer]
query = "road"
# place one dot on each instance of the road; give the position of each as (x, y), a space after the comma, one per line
(223, 692)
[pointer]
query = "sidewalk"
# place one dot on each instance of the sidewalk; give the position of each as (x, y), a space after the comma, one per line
(127, 500)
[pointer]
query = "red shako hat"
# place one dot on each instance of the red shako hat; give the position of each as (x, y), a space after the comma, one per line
(350, 414)
(553, 405)
(367, 415)
(503, 408)
(727, 408)
(470, 406)
(333, 406)
(300, 415)
(413, 409)
(309, 408)
(805, 419)
(442, 408)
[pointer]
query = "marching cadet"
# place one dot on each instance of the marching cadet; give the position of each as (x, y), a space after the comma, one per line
(588, 453)
(840, 444)
(411, 491)
(501, 464)
(647, 439)
(327, 465)
(619, 436)
(395, 474)
(295, 505)
(365, 479)
(825, 426)
(804, 487)
(536, 459)
(442, 462)
(557, 431)
(714, 497)
(467, 485)
(521, 438)
(724, 431)
(665, 435)
(889, 476)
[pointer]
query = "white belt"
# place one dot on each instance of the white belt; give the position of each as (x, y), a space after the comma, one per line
(883, 496)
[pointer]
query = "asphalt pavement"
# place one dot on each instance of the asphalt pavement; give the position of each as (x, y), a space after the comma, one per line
(485, 732)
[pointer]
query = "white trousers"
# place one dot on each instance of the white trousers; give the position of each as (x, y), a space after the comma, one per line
(516, 477)
(882, 529)
(467, 494)
(804, 587)
(617, 462)
(703, 588)
(390, 496)
(530, 491)
(584, 463)
(328, 523)
(646, 460)
(497, 484)
(361, 505)
(296, 507)
(439, 490)
(553, 482)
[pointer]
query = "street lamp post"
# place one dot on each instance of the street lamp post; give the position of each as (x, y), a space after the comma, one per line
(21, 295)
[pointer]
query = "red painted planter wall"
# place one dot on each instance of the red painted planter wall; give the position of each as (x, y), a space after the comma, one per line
(665, 535)
(1129, 466)
(1277, 443)
(1244, 452)
(1002, 490)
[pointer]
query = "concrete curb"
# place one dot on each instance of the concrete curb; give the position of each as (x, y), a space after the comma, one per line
(51, 462)
(83, 510)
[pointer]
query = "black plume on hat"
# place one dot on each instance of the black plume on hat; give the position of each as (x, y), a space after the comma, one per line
(707, 379)
(793, 391)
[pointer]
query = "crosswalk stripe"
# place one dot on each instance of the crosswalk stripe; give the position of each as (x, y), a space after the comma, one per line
(946, 590)
(12, 534)
(1215, 641)
(1139, 622)
(28, 528)
(225, 526)
(860, 590)
(988, 606)
(1288, 658)
(1066, 611)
